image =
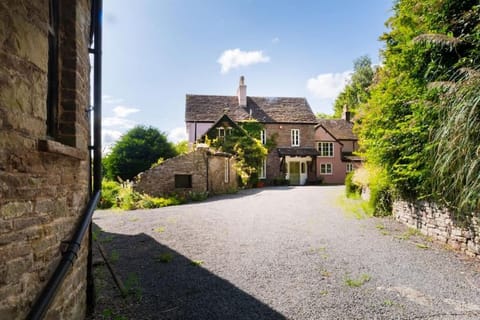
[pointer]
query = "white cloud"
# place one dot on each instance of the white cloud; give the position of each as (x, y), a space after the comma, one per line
(107, 99)
(276, 40)
(234, 58)
(177, 134)
(328, 85)
(122, 111)
(109, 137)
(117, 122)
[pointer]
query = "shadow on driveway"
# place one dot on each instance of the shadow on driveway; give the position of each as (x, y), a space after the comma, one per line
(164, 284)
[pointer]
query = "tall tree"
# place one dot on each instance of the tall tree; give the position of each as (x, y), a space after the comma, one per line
(136, 151)
(356, 91)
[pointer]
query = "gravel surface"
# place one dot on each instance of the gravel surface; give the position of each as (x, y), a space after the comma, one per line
(278, 253)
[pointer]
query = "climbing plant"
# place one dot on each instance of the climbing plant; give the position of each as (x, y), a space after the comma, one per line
(244, 142)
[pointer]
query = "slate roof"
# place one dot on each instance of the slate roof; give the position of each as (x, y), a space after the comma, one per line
(339, 128)
(209, 108)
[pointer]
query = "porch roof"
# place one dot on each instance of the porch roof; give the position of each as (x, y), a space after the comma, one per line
(297, 152)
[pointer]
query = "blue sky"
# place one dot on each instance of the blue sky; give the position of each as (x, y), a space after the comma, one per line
(157, 51)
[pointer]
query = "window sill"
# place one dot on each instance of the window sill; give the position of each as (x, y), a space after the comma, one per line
(56, 147)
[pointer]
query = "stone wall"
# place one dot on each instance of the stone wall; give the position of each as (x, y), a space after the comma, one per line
(204, 166)
(43, 180)
(437, 223)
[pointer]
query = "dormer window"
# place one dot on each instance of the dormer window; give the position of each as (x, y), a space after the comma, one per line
(221, 133)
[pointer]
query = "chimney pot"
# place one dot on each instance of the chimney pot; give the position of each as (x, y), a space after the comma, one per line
(242, 92)
(346, 114)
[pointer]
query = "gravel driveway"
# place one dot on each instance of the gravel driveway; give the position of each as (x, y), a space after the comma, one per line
(280, 253)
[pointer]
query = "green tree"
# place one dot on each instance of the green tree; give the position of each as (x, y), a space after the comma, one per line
(356, 91)
(322, 115)
(136, 151)
(181, 147)
(404, 129)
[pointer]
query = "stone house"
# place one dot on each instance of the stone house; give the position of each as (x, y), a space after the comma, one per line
(44, 156)
(290, 122)
(336, 144)
(201, 170)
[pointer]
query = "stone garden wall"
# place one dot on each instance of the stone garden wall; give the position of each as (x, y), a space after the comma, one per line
(438, 224)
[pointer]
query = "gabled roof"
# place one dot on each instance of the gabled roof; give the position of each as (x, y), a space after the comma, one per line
(222, 122)
(338, 128)
(207, 108)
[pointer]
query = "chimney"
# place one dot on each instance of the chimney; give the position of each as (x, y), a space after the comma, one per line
(346, 114)
(242, 93)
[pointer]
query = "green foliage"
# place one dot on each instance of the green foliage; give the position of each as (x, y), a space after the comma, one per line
(181, 147)
(197, 196)
(165, 257)
(244, 142)
(422, 140)
(109, 198)
(351, 189)
(158, 163)
(322, 115)
(357, 282)
(457, 148)
(356, 91)
(122, 196)
(135, 152)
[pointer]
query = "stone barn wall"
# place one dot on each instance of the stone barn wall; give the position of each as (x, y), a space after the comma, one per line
(43, 181)
(202, 165)
(438, 224)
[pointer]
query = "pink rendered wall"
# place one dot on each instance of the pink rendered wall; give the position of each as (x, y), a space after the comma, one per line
(201, 129)
(339, 168)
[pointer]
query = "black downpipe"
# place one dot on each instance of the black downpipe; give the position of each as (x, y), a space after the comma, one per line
(97, 139)
(46, 297)
(97, 98)
(41, 305)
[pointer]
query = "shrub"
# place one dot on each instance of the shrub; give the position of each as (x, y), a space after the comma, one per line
(128, 198)
(351, 189)
(122, 196)
(149, 202)
(197, 196)
(109, 198)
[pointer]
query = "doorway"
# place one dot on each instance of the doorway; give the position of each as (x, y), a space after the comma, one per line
(294, 170)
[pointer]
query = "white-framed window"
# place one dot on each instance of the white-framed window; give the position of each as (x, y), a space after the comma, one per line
(326, 168)
(303, 167)
(221, 133)
(227, 170)
(263, 169)
(295, 135)
(325, 149)
(263, 136)
(349, 167)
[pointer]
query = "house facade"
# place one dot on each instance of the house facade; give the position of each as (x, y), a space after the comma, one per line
(44, 155)
(336, 144)
(289, 122)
